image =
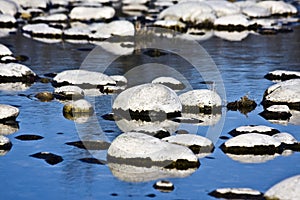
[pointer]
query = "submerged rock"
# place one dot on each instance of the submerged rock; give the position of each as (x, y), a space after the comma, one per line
(244, 105)
(8, 112)
(14, 72)
(286, 189)
(164, 186)
(254, 129)
(44, 96)
(236, 193)
(5, 143)
(28, 137)
(50, 158)
(276, 112)
(147, 101)
(142, 150)
(202, 100)
(170, 82)
(283, 93)
(282, 75)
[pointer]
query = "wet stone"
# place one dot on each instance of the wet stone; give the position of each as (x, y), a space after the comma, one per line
(276, 112)
(93, 161)
(244, 105)
(50, 158)
(282, 75)
(164, 186)
(254, 129)
(44, 96)
(237, 193)
(28, 137)
(90, 145)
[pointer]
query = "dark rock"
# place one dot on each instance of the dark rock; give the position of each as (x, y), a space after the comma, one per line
(244, 105)
(44, 96)
(50, 158)
(237, 193)
(93, 161)
(164, 186)
(90, 145)
(28, 137)
(155, 53)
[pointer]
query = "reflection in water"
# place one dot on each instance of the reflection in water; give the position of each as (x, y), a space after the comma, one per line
(232, 36)
(7, 129)
(18, 86)
(250, 158)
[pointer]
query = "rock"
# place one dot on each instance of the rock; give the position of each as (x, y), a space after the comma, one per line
(282, 75)
(147, 102)
(44, 96)
(78, 107)
(202, 100)
(59, 17)
(164, 186)
(82, 78)
(285, 93)
(236, 193)
(90, 144)
(42, 30)
(252, 143)
(256, 11)
(18, 86)
(4, 51)
(287, 189)
(232, 35)
(50, 158)
(118, 47)
(8, 7)
(14, 72)
(41, 4)
(223, 8)
(120, 80)
(29, 137)
(285, 138)
(68, 92)
(198, 144)
(171, 24)
(245, 105)
(153, 130)
(5, 143)
(254, 129)
(232, 22)
(8, 112)
(276, 112)
(142, 150)
(170, 82)
(278, 7)
(7, 21)
(91, 13)
(92, 161)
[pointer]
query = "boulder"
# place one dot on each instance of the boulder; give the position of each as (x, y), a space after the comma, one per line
(8, 112)
(77, 109)
(232, 22)
(254, 129)
(223, 8)
(236, 193)
(164, 186)
(42, 30)
(68, 92)
(4, 51)
(170, 82)
(256, 11)
(278, 7)
(282, 75)
(276, 112)
(81, 13)
(14, 72)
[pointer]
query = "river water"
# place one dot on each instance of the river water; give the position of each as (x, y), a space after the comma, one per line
(242, 66)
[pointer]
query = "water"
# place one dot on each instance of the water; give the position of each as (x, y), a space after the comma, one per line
(242, 66)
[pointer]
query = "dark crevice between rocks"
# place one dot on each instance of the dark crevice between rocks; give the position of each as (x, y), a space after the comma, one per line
(234, 132)
(90, 145)
(28, 137)
(50, 158)
(93, 161)
(244, 105)
(180, 164)
(196, 149)
(230, 195)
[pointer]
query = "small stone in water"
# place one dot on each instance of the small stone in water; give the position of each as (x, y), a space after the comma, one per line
(244, 105)
(28, 137)
(44, 96)
(164, 186)
(50, 158)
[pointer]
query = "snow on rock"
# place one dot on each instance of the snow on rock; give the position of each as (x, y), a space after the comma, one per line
(17, 86)
(8, 112)
(232, 36)
(244, 4)
(278, 7)
(198, 144)
(282, 75)
(287, 189)
(4, 51)
(278, 108)
(59, 17)
(139, 149)
(135, 1)
(91, 13)
(194, 12)
(77, 107)
(148, 97)
(254, 129)
(276, 112)
(5, 143)
(78, 33)
(122, 47)
(7, 21)
(42, 30)
(82, 78)
(256, 11)
(169, 24)
(204, 99)
(68, 92)
(232, 20)
(169, 82)
(14, 72)
(223, 8)
(285, 138)
(252, 143)
(236, 193)
(42, 4)
(286, 92)
(164, 186)
(8, 7)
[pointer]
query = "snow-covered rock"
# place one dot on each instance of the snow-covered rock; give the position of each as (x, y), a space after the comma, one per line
(42, 30)
(8, 7)
(8, 112)
(42, 4)
(92, 13)
(202, 99)
(59, 17)
(82, 78)
(286, 92)
(14, 72)
(232, 36)
(78, 107)
(252, 143)
(232, 20)
(148, 99)
(122, 47)
(254, 129)
(17, 86)
(120, 80)
(4, 51)
(135, 1)
(285, 138)
(7, 21)
(169, 24)
(5, 143)
(223, 8)
(278, 7)
(276, 112)
(256, 11)
(164, 186)
(143, 150)
(282, 75)
(169, 82)
(68, 92)
(194, 12)
(287, 189)
(198, 144)
(236, 193)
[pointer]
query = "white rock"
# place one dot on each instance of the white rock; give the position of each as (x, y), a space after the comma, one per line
(18, 86)
(119, 79)
(117, 48)
(188, 12)
(164, 186)
(169, 23)
(68, 91)
(284, 92)
(41, 29)
(256, 11)
(8, 7)
(15, 70)
(238, 191)
(278, 7)
(257, 129)
(189, 140)
(32, 3)
(4, 51)
(235, 20)
(287, 189)
(52, 18)
(285, 138)
(164, 79)
(92, 13)
(77, 32)
(232, 36)
(134, 7)
(251, 140)
(135, 1)
(200, 98)
(60, 2)
(278, 108)
(5, 18)
(7, 59)
(148, 97)
(279, 74)
(244, 4)
(79, 106)
(223, 8)
(141, 146)
(8, 112)
(79, 77)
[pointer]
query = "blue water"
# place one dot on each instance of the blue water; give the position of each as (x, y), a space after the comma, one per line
(242, 66)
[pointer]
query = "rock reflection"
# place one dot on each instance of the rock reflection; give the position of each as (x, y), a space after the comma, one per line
(232, 36)
(206, 119)
(251, 158)
(7, 129)
(17, 86)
